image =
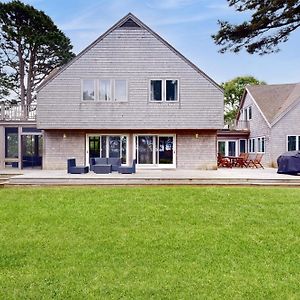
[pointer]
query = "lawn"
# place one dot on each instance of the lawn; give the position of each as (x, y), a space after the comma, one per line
(150, 243)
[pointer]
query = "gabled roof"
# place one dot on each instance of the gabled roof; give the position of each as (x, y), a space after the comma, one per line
(275, 100)
(129, 22)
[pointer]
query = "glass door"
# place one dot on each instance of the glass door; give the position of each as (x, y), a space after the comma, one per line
(165, 150)
(155, 150)
(145, 150)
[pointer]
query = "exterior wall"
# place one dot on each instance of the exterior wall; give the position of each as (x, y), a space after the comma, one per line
(259, 128)
(138, 56)
(61, 145)
(197, 152)
(193, 152)
(288, 125)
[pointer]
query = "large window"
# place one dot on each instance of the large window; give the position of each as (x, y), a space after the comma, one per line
(106, 90)
(164, 90)
(261, 144)
(293, 142)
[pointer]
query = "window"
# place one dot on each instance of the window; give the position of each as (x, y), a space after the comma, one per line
(261, 144)
(164, 90)
(156, 90)
(243, 148)
(120, 90)
(293, 142)
(105, 90)
(249, 113)
(88, 89)
(251, 145)
(11, 142)
(171, 90)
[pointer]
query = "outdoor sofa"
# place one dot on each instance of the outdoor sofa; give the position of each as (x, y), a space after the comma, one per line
(104, 165)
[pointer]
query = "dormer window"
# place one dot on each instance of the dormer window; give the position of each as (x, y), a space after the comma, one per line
(164, 90)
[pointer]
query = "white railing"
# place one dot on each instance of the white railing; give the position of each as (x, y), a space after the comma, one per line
(17, 112)
(238, 125)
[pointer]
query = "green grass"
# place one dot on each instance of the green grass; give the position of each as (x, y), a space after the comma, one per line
(149, 243)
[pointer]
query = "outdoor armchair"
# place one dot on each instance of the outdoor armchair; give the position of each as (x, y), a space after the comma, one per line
(73, 169)
(128, 170)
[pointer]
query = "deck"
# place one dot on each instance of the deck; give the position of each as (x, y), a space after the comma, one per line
(223, 176)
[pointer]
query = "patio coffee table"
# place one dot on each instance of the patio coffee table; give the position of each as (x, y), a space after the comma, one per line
(102, 169)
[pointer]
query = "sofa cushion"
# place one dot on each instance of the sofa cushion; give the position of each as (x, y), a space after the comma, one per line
(100, 161)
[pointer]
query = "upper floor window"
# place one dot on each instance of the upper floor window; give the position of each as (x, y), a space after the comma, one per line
(164, 90)
(293, 142)
(247, 113)
(88, 89)
(107, 90)
(120, 90)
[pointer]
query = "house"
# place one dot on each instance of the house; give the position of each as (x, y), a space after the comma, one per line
(270, 118)
(130, 94)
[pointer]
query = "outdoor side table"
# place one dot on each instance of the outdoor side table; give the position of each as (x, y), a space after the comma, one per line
(102, 169)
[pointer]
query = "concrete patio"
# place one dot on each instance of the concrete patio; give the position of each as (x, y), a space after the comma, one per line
(222, 176)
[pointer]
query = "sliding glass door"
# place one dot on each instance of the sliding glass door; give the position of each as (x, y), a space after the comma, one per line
(155, 150)
(107, 146)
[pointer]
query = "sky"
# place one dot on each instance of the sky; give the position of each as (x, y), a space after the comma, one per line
(186, 24)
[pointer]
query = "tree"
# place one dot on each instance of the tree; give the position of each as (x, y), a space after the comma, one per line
(233, 91)
(271, 24)
(31, 46)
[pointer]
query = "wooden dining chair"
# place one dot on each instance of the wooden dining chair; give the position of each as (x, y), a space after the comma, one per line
(256, 161)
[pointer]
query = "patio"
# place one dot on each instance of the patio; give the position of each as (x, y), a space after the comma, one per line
(222, 176)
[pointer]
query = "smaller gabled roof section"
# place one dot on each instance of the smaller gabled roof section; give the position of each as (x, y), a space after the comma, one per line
(131, 21)
(274, 100)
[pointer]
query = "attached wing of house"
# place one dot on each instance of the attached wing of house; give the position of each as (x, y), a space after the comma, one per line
(272, 113)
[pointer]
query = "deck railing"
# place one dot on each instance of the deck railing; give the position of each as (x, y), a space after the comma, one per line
(17, 112)
(239, 125)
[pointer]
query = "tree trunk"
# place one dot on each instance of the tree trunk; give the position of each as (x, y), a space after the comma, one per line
(30, 76)
(22, 75)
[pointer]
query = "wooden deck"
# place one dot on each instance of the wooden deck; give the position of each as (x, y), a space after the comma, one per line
(223, 176)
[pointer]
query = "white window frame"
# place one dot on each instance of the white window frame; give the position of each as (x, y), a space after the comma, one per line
(114, 90)
(297, 142)
(95, 89)
(237, 144)
(87, 146)
(259, 144)
(164, 90)
(251, 145)
(246, 145)
(155, 165)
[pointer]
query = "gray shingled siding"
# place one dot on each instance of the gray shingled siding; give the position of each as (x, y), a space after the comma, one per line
(259, 128)
(192, 152)
(137, 56)
(288, 125)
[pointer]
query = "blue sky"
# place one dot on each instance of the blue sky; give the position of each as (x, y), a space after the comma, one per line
(185, 24)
